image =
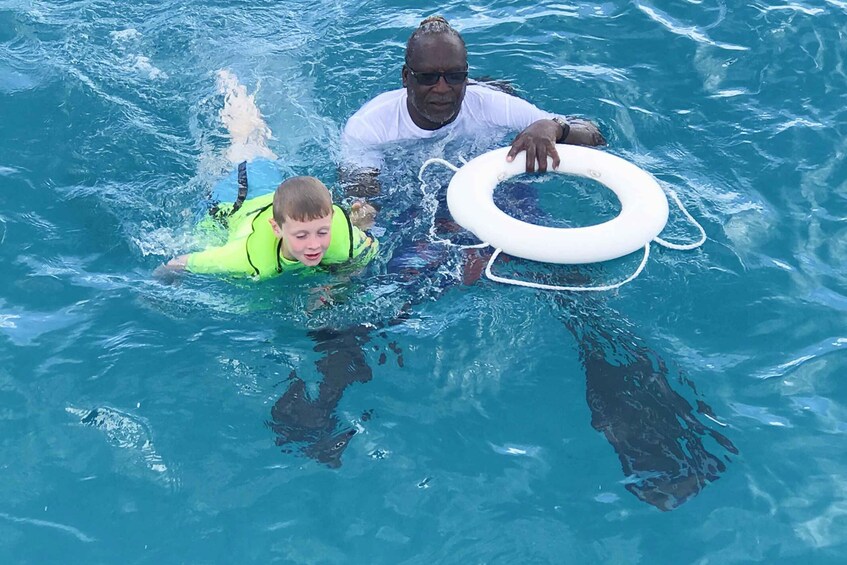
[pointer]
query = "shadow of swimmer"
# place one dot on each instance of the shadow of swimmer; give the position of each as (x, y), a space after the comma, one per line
(310, 425)
(655, 432)
(653, 429)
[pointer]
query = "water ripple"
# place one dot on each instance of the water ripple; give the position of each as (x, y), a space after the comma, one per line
(761, 414)
(128, 432)
(692, 32)
(48, 524)
(825, 347)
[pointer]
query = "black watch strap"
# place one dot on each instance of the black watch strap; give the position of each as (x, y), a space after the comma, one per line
(566, 128)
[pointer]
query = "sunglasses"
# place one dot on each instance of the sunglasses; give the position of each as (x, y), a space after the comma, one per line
(430, 79)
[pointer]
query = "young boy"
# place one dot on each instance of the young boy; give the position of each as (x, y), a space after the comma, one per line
(293, 228)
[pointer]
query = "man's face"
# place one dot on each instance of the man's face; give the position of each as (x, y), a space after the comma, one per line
(433, 106)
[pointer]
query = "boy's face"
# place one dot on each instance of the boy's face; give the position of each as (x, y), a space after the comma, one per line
(304, 241)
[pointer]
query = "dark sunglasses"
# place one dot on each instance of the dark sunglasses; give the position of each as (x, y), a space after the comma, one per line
(430, 79)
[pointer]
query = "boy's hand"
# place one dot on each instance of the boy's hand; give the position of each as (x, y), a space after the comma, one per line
(362, 215)
(169, 273)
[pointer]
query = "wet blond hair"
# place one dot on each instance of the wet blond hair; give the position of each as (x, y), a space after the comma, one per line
(302, 199)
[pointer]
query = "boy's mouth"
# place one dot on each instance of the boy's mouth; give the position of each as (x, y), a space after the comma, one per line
(313, 256)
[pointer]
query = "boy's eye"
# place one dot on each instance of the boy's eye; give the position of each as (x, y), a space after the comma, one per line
(323, 232)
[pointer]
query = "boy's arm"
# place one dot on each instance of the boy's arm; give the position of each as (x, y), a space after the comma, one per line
(226, 259)
(177, 263)
(230, 259)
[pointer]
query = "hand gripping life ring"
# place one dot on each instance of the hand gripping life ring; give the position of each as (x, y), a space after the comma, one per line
(644, 208)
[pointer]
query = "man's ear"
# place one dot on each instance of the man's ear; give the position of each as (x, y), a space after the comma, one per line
(404, 74)
(275, 227)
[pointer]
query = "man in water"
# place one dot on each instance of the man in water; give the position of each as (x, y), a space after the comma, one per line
(438, 98)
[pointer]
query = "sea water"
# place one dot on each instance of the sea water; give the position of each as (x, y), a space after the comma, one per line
(696, 415)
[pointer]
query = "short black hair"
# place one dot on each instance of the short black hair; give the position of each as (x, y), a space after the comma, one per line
(432, 25)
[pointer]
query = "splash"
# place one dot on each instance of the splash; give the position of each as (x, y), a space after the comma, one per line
(248, 132)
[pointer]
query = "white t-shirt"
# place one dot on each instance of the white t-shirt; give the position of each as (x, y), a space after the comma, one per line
(386, 119)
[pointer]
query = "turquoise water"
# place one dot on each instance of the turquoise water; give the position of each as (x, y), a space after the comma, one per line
(696, 415)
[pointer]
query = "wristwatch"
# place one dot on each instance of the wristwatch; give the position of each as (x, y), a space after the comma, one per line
(566, 128)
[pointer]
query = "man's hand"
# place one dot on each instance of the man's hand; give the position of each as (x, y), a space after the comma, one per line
(539, 142)
(362, 215)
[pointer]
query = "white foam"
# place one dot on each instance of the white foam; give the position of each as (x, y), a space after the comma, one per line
(124, 35)
(142, 66)
(248, 132)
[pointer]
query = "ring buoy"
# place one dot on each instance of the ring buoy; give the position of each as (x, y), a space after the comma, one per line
(644, 208)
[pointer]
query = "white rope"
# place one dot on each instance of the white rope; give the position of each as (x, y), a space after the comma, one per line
(432, 235)
(683, 246)
(429, 162)
(542, 286)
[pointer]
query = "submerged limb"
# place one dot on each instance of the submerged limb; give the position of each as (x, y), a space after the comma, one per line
(296, 418)
(311, 425)
(652, 428)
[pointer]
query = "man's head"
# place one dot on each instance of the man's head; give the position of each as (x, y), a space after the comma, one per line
(302, 219)
(435, 74)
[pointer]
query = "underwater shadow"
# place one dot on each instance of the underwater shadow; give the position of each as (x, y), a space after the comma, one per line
(654, 430)
(656, 433)
(310, 425)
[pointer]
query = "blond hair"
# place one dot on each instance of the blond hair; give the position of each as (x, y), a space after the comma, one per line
(302, 199)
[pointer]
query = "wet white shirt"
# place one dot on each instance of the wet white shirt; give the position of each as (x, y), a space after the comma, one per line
(386, 119)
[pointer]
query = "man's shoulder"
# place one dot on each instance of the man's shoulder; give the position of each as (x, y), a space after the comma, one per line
(385, 102)
(378, 121)
(482, 94)
(489, 105)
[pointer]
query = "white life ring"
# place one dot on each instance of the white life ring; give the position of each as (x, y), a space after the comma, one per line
(644, 208)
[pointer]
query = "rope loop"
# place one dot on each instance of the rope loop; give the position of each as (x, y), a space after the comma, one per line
(432, 235)
(682, 246)
(542, 286)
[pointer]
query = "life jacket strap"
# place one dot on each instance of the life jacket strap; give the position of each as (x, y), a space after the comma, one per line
(242, 187)
(215, 210)
(349, 232)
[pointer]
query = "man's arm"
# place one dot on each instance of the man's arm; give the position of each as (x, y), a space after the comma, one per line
(361, 158)
(361, 182)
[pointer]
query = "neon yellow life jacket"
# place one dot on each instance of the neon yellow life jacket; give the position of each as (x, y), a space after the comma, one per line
(253, 250)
